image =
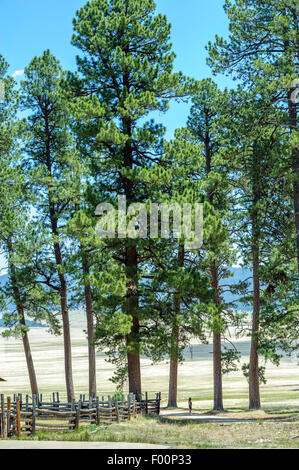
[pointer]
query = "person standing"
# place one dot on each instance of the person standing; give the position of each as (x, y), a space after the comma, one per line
(190, 405)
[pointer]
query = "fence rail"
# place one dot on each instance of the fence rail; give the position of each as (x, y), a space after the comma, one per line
(27, 416)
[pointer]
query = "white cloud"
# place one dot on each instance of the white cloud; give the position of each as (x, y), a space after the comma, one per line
(18, 73)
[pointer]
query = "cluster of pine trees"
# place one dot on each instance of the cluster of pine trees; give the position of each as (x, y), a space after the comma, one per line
(91, 135)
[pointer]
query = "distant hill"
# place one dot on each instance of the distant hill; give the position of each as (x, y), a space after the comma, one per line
(29, 323)
(78, 319)
(3, 279)
(239, 274)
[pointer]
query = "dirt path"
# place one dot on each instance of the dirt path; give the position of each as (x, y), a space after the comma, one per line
(207, 418)
(184, 415)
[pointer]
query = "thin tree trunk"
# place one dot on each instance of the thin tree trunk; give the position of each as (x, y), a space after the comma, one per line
(295, 167)
(67, 341)
(296, 199)
(133, 357)
(174, 352)
(132, 340)
(293, 125)
(254, 387)
(90, 329)
(217, 372)
(131, 266)
(62, 281)
(173, 368)
(20, 310)
(65, 319)
(29, 359)
(217, 363)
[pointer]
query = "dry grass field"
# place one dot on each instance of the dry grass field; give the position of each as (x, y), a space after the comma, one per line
(195, 376)
(280, 396)
(183, 434)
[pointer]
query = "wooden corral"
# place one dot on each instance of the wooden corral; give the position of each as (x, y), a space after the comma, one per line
(18, 416)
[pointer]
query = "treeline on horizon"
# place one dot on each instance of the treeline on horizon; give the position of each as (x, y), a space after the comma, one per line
(89, 136)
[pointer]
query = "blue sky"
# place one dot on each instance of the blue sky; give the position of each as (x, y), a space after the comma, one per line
(28, 27)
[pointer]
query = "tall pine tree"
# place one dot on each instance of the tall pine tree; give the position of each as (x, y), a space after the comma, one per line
(127, 72)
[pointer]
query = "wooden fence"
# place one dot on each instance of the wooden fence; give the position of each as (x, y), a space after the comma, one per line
(27, 416)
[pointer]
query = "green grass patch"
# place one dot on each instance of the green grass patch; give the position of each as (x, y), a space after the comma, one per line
(184, 434)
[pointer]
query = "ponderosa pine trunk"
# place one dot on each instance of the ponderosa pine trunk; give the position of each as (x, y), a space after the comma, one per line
(131, 267)
(295, 168)
(59, 263)
(28, 355)
(67, 340)
(293, 125)
(64, 310)
(133, 358)
(21, 315)
(66, 327)
(296, 198)
(173, 365)
(90, 329)
(254, 388)
(174, 353)
(254, 384)
(217, 363)
(132, 339)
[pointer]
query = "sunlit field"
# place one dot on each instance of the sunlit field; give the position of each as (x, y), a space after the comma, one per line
(195, 375)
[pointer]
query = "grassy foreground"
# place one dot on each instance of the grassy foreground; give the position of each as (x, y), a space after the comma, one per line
(183, 434)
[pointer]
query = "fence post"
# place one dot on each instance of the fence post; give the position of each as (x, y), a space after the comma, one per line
(33, 420)
(2, 422)
(129, 406)
(116, 410)
(140, 404)
(77, 420)
(8, 416)
(134, 406)
(18, 417)
(97, 412)
(34, 401)
(21, 400)
(146, 404)
(159, 403)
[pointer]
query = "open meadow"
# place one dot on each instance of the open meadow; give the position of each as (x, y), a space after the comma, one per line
(275, 426)
(195, 375)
